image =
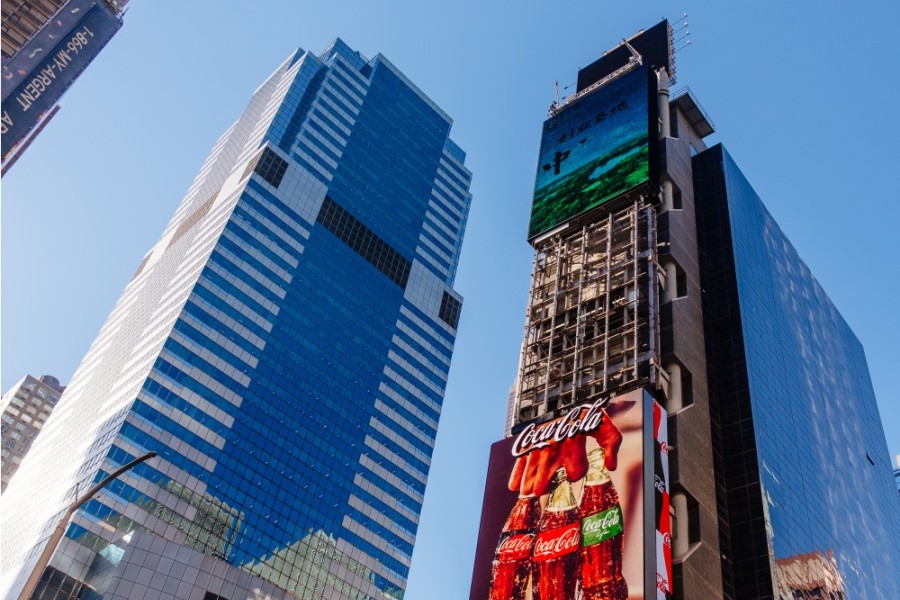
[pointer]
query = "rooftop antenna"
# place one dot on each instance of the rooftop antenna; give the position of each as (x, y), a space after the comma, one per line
(685, 37)
(556, 104)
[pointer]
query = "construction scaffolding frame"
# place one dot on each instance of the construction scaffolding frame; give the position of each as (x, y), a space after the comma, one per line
(592, 320)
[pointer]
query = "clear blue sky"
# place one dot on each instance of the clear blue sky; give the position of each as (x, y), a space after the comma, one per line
(803, 95)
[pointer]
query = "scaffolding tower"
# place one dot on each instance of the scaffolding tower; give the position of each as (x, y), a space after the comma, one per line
(592, 319)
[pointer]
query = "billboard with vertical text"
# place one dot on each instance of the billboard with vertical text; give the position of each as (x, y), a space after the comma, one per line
(59, 54)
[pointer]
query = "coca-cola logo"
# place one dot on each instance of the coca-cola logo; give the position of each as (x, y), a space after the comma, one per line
(601, 526)
(516, 547)
(664, 448)
(581, 419)
(659, 484)
(557, 542)
(667, 540)
(604, 522)
(662, 584)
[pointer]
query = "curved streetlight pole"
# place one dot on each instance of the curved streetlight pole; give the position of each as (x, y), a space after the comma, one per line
(53, 541)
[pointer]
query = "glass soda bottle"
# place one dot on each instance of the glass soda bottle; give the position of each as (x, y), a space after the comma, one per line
(601, 534)
(512, 561)
(557, 543)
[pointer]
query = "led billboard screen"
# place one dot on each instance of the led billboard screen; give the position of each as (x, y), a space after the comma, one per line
(595, 149)
(570, 506)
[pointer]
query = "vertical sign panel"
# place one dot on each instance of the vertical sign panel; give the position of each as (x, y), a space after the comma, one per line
(662, 503)
(39, 89)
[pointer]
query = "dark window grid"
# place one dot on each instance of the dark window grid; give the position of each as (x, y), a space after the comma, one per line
(364, 242)
(271, 167)
(450, 310)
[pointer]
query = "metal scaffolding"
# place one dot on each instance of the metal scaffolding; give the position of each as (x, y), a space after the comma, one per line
(591, 324)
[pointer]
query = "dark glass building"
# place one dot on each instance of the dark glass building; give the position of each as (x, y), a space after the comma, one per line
(801, 454)
(284, 348)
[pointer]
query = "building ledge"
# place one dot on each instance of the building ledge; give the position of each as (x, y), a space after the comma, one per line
(687, 103)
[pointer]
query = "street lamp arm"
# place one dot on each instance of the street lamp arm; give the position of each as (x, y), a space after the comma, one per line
(90, 493)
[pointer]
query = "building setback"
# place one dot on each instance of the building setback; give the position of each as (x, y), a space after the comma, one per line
(26, 408)
(682, 284)
(284, 348)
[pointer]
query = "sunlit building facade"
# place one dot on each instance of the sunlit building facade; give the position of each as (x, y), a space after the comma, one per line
(284, 348)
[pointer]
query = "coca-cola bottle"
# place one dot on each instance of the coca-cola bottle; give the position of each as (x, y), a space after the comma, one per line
(512, 561)
(556, 546)
(601, 535)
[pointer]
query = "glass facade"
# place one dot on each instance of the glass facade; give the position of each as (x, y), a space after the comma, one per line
(806, 503)
(284, 348)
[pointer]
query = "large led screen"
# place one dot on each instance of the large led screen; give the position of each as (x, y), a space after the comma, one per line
(570, 504)
(593, 150)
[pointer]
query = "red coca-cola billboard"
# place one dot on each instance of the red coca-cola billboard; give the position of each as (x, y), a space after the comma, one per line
(577, 508)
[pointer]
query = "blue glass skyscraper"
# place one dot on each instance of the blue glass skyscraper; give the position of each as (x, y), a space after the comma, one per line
(284, 348)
